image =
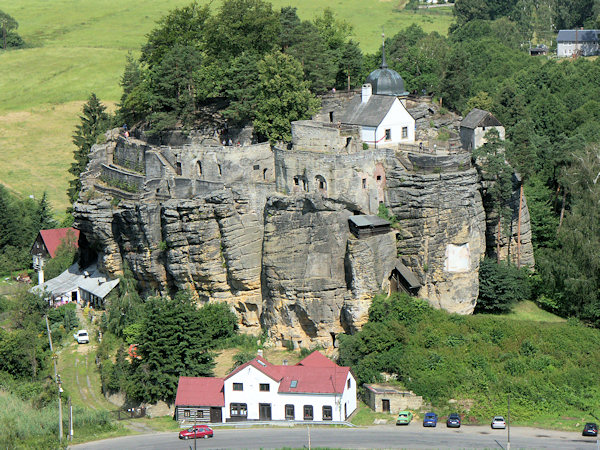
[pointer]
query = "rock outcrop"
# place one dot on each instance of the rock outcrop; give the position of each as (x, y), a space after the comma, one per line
(267, 231)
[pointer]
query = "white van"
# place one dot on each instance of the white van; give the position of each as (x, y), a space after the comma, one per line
(82, 337)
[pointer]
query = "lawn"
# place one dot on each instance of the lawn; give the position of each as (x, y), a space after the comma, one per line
(79, 46)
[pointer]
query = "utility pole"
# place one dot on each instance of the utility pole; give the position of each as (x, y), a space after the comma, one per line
(60, 424)
(51, 350)
(508, 424)
(70, 420)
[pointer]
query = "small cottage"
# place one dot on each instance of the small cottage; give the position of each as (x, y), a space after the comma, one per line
(474, 127)
(200, 399)
(390, 399)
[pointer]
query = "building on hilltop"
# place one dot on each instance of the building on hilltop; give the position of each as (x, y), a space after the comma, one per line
(474, 127)
(380, 110)
(577, 43)
(314, 390)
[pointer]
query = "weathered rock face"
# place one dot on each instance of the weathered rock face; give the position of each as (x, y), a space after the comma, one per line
(442, 234)
(316, 275)
(267, 232)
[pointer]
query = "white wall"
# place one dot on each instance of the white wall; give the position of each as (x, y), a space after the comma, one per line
(367, 134)
(396, 119)
(252, 396)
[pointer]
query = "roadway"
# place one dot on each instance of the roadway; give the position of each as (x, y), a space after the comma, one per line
(412, 436)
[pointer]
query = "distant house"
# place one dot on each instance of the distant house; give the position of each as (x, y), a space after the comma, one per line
(87, 286)
(314, 390)
(577, 42)
(539, 50)
(474, 127)
(46, 245)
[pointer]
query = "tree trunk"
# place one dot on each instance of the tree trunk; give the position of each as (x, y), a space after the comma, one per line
(498, 240)
(519, 227)
(562, 210)
(4, 35)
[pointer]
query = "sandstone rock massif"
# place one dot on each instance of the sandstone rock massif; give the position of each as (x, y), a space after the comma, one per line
(267, 230)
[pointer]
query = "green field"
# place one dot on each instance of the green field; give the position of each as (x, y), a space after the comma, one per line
(79, 46)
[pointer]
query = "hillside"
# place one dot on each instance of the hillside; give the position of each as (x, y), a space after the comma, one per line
(71, 55)
(471, 364)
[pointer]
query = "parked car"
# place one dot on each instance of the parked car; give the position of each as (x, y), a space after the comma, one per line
(430, 419)
(498, 422)
(196, 431)
(590, 429)
(404, 418)
(82, 337)
(453, 421)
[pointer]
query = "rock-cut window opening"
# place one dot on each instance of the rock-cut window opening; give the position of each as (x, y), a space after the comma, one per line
(199, 167)
(321, 183)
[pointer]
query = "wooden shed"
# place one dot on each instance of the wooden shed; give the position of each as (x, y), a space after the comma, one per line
(363, 225)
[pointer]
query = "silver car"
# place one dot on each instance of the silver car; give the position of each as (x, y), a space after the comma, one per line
(498, 422)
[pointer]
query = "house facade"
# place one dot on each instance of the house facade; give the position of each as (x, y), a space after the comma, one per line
(577, 43)
(87, 286)
(383, 119)
(314, 390)
(474, 127)
(46, 245)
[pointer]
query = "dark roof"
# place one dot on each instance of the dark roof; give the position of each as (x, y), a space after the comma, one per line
(53, 238)
(407, 274)
(479, 117)
(386, 82)
(200, 391)
(368, 114)
(577, 35)
(368, 221)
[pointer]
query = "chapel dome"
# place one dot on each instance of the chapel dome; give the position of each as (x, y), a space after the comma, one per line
(386, 81)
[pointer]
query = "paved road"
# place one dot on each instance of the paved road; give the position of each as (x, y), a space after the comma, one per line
(413, 436)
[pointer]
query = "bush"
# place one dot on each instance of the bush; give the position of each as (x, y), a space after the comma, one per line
(501, 285)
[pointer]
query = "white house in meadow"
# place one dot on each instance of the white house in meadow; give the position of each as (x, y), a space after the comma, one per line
(316, 390)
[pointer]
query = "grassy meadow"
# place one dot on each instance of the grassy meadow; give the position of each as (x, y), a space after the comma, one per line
(76, 47)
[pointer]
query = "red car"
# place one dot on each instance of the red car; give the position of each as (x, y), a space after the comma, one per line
(197, 431)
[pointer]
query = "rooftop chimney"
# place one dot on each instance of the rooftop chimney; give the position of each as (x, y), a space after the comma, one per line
(285, 362)
(260, 353)
(367, 91)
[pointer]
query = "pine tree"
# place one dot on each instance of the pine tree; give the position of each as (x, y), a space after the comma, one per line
(94, 122)
(44, 216)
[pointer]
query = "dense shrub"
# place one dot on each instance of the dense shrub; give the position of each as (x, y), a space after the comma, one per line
(501, 285)
(545, 367)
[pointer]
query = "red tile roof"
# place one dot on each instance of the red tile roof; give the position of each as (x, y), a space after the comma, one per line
(200, 391)
(317, 359)
(270, 370)
(314, 374)
(53, 238)
(314, 380)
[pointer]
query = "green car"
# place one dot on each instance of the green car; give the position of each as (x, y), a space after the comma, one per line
(404, 418)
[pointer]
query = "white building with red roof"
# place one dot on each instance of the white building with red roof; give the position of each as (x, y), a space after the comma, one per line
(314, 390)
